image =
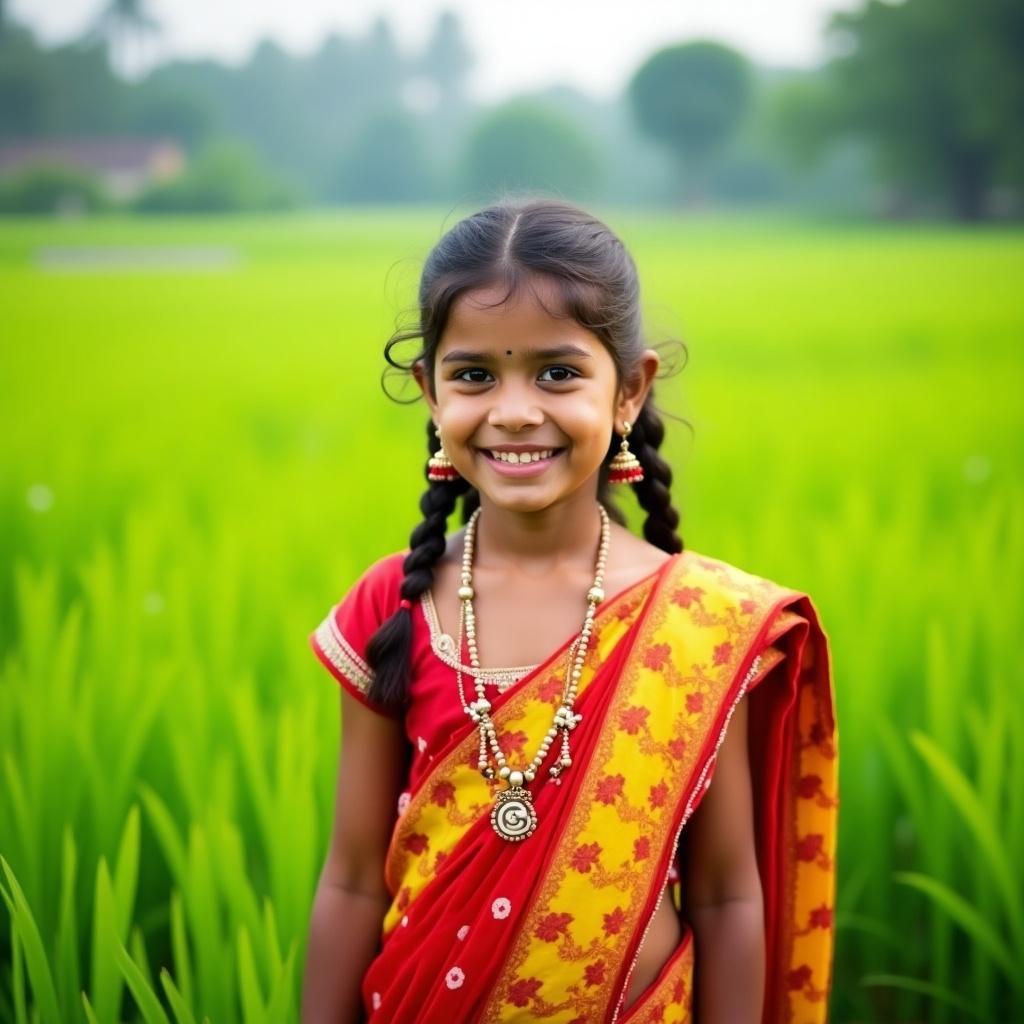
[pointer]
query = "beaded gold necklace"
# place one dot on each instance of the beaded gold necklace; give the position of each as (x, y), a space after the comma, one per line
(513, 816)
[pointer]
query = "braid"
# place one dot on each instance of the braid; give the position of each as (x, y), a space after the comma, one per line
(653, 492)
(389, 649)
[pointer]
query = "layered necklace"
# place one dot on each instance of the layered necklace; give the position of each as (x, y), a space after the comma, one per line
(513, 816)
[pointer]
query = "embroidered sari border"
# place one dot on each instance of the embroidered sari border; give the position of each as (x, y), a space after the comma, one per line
(454, 770)
(659, 689)
(737, 623)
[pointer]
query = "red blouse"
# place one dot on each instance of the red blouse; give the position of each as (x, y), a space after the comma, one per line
(340, 641)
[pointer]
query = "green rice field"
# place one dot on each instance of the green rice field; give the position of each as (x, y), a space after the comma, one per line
(197, 460)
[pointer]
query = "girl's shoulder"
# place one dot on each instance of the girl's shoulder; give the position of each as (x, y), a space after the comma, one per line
(700, 575)
(374, 595)
(384, 575)
(340, 640)
(698, 562)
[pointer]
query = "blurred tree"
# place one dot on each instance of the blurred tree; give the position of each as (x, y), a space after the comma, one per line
(87, 97)
(447, 59)
(226, 176)
(938, 87)
(386, 163)
(799, 116)
(792, 128)
(185, 115)
(26, 94)
(52, 188)
(67, 90)
(382, 66)
(692, 98)
(523, 145)
(126, 25)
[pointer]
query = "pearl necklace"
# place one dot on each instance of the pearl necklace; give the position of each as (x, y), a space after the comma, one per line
(513, 816)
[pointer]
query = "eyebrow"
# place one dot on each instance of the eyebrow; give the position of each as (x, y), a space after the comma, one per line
(558, 352)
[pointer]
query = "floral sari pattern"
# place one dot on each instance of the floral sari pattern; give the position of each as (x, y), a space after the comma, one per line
(551, 928)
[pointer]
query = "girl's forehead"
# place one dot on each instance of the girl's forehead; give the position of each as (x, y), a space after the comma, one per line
(490, 316)
(533, 297)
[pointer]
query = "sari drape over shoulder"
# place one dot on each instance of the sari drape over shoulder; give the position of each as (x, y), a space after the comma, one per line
(550, 928)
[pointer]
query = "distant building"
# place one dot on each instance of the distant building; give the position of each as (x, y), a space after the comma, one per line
(125, 165)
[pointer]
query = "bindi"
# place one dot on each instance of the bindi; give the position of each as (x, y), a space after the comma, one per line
(508, 351)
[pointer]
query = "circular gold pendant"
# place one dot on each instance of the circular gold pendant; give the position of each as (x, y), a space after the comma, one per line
(513, 816)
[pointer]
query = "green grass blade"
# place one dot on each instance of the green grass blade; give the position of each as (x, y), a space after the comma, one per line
(179, 947)
(139, 956)
(280, 1005)
(167, 833)
(106, 980)
(90, 1013)
(126, 872)
(145, 997)
(36, 963)
(22, 815)
(248, 984)
(228, 858)
(66, 958)
(17, 969)
(925, 988)
(202, 905)
(270, 933)
(880, 931)
(179, 1004)
(981, 826)
(957, 908)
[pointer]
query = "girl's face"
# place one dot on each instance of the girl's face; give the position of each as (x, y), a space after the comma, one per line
(526, 403)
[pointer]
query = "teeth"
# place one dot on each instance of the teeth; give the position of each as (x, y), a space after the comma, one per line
(516, 457)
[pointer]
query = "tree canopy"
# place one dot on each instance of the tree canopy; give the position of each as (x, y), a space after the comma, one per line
(691, 97)
(937, 87)
(524, 145)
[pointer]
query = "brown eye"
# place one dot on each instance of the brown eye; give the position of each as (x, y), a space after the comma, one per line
(472, 369)
(570, 373)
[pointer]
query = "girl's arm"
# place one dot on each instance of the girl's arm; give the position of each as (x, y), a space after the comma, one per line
(351, 898)
(722, 890)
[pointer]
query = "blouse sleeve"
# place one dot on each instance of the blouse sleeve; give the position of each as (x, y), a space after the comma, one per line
(340, 641)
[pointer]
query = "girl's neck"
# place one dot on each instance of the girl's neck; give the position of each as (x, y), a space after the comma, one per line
(563, 536)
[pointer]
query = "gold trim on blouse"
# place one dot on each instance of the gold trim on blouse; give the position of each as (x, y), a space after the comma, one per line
(342, 655)
(443, 645)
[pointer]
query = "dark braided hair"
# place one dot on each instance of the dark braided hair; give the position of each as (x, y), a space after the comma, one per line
(653, 491)
(509, 242)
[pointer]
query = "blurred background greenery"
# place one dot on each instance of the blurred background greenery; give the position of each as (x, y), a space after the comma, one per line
(915, 109)
(198, 460)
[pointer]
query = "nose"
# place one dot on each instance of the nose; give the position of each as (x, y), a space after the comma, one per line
(514, 408)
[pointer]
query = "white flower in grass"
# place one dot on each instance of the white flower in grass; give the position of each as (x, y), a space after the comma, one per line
(403, 802)
(977, 469)
(501, 908)
(462, 932)
(454, 978)
(39, 498)
(375, 999)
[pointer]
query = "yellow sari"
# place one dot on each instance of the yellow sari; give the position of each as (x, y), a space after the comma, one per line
(550, 928)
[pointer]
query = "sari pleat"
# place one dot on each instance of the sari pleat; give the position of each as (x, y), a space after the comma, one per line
(551, 928)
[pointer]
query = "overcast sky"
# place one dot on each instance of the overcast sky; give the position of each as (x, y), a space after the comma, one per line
(593, 44)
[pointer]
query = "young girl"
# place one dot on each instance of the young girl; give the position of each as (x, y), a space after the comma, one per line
(534, 709)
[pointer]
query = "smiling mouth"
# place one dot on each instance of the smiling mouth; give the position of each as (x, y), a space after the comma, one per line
(521, 458)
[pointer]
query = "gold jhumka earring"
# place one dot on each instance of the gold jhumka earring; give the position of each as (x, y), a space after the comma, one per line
(439, 466)
(625, 468)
